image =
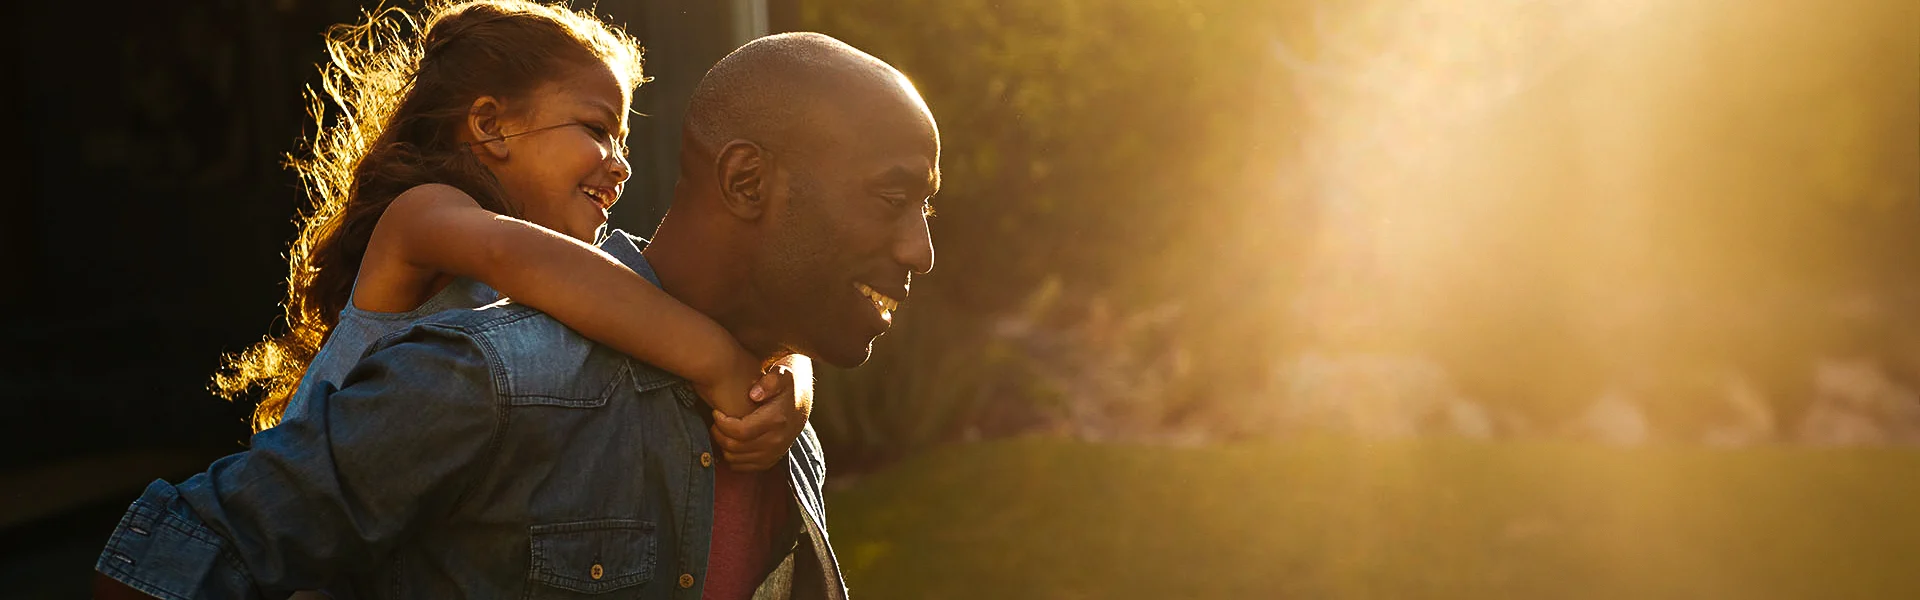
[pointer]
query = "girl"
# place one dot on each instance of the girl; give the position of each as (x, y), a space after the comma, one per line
(480, 151)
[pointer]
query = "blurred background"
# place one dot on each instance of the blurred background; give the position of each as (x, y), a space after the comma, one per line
(1235, 299)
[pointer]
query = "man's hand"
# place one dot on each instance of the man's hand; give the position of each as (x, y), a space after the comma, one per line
(759, 440)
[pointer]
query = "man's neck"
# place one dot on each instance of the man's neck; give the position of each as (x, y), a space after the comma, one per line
(699, 271)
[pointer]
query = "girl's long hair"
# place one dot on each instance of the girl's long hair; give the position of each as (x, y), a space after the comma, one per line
(393, 96)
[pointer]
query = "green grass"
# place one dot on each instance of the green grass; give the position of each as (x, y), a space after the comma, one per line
(1050, 519)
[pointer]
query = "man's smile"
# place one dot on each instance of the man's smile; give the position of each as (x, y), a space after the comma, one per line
(881, 302)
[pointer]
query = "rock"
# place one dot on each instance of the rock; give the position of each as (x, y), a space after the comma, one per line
(1374, 396)
(1469, 420)
(1615, 419)
(1856, 404)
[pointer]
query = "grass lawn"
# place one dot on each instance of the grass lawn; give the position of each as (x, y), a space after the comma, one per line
(1039, 518)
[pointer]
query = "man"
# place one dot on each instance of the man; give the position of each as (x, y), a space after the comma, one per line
(495, 453)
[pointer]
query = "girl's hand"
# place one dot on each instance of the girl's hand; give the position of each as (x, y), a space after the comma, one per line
(758, 441)
(728, 387)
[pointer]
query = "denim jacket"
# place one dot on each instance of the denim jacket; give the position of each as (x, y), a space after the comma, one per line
(490, 453)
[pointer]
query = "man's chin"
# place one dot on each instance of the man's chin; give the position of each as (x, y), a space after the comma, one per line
(847, 356)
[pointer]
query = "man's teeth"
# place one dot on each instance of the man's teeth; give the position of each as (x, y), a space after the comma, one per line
(880, 301)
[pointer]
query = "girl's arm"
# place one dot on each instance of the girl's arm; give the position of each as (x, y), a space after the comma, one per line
(435, 229)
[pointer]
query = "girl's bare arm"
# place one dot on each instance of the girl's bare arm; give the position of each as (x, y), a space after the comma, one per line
(437, 229)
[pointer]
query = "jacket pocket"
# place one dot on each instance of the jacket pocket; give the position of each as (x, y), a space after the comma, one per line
(592, 557)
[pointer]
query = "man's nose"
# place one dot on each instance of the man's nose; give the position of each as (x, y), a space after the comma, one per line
(914, 250)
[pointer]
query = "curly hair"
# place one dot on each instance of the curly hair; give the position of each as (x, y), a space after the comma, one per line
(393, 95)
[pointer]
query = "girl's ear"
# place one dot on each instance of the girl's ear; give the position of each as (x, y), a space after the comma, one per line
(483, 126)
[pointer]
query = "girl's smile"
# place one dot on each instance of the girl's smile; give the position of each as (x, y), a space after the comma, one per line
(561, 160)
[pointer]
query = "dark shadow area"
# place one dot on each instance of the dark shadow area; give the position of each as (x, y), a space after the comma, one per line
(145, 229)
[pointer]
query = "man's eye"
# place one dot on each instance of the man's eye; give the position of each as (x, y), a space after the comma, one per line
(598, 131)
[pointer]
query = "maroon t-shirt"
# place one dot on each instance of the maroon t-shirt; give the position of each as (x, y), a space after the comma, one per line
(749, 511)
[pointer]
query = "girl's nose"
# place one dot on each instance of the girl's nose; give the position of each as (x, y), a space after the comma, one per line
(621, 168)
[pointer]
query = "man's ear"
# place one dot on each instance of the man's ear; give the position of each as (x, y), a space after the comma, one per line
(483, 127)
(741, 170)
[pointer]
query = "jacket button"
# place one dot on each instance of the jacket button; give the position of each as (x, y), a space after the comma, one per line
(596, 572)
(686, 580)
(706, 460)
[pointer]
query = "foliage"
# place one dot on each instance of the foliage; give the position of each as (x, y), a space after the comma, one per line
(1086, 143)
(1550, 201)
(925, 379)
(1082, 138)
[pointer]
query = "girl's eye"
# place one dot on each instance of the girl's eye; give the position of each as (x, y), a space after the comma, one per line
(602, 135)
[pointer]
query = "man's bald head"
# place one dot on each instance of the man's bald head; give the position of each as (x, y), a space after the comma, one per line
(800, 214)
(765, 91)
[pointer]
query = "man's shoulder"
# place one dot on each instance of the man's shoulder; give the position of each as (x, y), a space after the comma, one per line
(493, 320)
(534, 358)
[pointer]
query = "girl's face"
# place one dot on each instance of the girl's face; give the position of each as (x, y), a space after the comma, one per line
(562, 161)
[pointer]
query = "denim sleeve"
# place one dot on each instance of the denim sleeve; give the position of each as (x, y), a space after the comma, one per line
(329, 491)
